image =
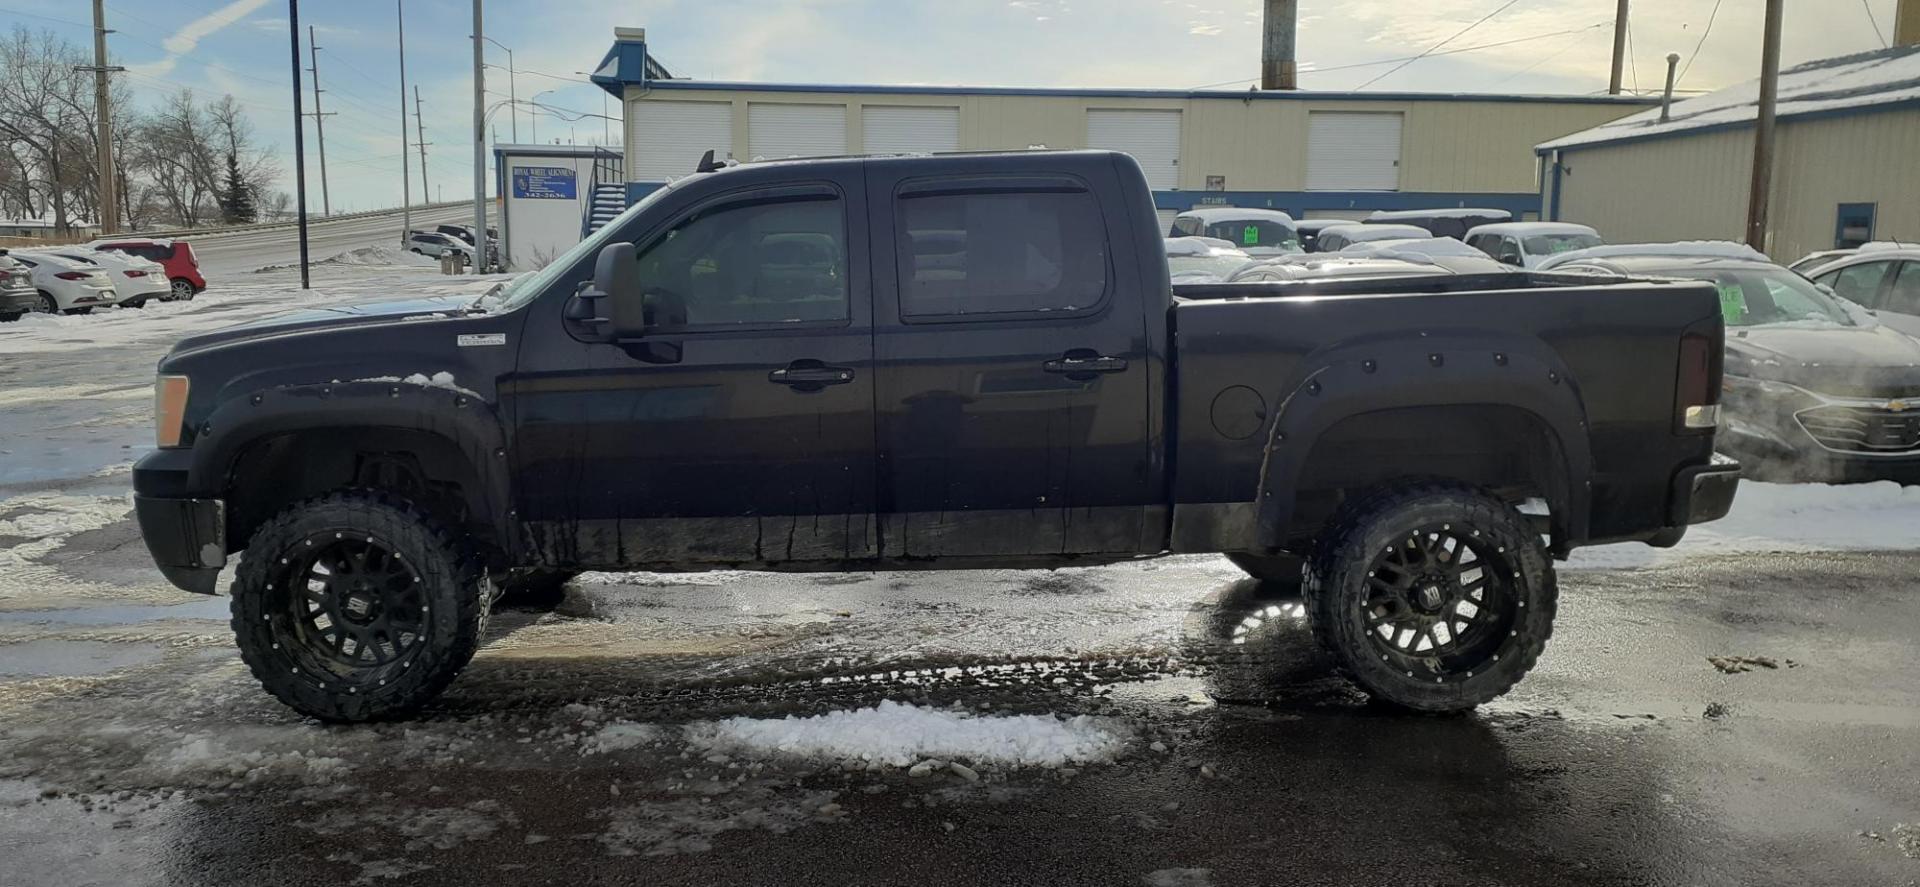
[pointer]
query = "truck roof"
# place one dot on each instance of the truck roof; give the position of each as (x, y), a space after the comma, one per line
(1212, 214)
(1528, 229)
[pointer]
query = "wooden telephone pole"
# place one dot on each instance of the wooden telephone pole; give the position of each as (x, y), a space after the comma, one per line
(103, 118)
(1760, 197)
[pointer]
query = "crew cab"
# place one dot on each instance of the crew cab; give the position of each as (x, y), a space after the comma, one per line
(927, 362)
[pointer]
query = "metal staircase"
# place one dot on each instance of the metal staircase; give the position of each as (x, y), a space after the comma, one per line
(609, 191)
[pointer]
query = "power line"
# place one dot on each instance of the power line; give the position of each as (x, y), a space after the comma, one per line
(1868, 7)
(1631, 62)
(1474, 48)
(1551, 56)
(1458, 34)
(1708, 33)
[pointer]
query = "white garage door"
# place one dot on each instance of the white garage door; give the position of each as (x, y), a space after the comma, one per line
(910, 130)
(1353, 151)
(1166, 218)
(666, 139)
(777, 131)
(1152, 137)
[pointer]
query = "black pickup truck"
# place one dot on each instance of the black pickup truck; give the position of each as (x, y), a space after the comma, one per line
(927, 362)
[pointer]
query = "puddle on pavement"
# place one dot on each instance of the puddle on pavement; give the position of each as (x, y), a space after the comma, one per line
(71, 658)
(203, 608)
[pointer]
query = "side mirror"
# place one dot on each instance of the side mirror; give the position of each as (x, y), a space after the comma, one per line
(616, 286)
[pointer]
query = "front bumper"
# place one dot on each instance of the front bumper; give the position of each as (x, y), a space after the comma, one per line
(185, 533)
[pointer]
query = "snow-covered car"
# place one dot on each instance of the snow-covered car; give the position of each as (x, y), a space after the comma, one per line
(1445, 252)
(1884, 280)
(67, 286)
(1452, 222)
(1815, 387)
(1309, 231)
(1683, 249)
(1321, 266)
(1202, 259)
(1258, 232)
(1527, 244)
(17, 295)
(1335, 238)
(136, 279)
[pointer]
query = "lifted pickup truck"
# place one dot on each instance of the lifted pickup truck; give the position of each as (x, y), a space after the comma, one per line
(927, 362)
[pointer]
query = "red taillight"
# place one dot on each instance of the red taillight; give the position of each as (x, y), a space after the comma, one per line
(136, 273)
(1696, 386)
(71, 275)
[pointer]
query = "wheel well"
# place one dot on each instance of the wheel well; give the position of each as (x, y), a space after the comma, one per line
(432, 471)
(1506, 450)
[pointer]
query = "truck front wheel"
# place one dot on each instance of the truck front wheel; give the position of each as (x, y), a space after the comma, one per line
(1433, 596)
(357, 606)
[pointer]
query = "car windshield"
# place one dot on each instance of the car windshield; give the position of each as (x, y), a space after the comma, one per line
(521, 290)
(1264, 233)
(1217, 266)
(1764, 297)
(1552, 244)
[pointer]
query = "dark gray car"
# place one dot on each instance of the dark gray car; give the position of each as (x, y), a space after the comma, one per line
(17, 295)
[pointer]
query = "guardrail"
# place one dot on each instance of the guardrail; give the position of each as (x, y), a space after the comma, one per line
(293, 223)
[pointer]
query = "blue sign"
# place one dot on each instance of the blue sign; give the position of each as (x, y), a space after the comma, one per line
(544, 182)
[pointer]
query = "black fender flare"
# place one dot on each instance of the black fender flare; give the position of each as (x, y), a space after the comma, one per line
(460, 417)
(1454, 368)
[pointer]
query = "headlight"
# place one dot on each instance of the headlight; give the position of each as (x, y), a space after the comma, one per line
(169, 409)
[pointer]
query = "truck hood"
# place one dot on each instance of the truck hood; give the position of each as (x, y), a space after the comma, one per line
(425, 308)
(1839, 361)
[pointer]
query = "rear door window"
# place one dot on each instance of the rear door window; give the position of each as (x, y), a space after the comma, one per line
(1859, 284)
(988, 247)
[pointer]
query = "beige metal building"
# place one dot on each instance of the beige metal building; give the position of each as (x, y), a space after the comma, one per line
(1309, 153)
(1846, 166)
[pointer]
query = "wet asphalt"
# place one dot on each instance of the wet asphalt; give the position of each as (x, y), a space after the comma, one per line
(135, 750)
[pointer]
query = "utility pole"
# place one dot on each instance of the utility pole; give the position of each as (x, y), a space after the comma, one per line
(319, 123)
(406, 202)
(1619, 47)
(480, 254)
(420, 129)
(1760, 198)
(1277, 69)
(103, 113)
(299, 141)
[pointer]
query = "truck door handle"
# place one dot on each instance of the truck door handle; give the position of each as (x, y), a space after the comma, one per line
(1084, 365)
(810, 375)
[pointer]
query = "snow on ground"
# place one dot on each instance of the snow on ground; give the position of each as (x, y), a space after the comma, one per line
(364, 256)
(897, 734)
(1787, 517)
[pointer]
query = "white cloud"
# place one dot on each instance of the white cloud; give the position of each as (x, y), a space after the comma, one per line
(1203, 29)
(189, 35)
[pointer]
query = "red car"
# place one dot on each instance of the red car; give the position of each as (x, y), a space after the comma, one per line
(183, 268)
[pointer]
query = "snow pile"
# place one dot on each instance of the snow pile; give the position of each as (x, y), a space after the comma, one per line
(1788, 517)
(898, 735)
(46, 520)
(361, 257)
(619, 736)
(440, 379)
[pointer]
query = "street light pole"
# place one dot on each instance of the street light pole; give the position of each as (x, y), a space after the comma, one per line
(479, 144)
(406, 203)
(533, 114)
(512, 94)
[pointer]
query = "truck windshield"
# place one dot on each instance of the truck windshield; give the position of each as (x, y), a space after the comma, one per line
(521, 290)
(1552, 244)
(1245, 233)
(1762, 298)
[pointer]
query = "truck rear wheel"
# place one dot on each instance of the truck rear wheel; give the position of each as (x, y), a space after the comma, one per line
(1434, 596)
(357, 606)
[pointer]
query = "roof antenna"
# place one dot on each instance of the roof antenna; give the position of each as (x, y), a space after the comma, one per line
(706, 163)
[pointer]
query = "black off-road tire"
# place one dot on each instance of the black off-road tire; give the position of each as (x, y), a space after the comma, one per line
(1358, 539)
(274, 610)
(533, 588)
(1275, 569)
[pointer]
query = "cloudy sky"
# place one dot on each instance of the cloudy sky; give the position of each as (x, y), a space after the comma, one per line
(241, 47)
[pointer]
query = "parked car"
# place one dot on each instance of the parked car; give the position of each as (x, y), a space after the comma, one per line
(1527, 244)
(1198, 259)
(1814, 261)
(1309, 230)
(435, 243)
(1454, 223)
(1442, 251)
(1885, 280)
(465, 232)
(984, 381)
(1335, 238)
(137, 280)
(17, 295)
(175, 256)
(67, 286)
(1816, 388)
(1259, 232)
